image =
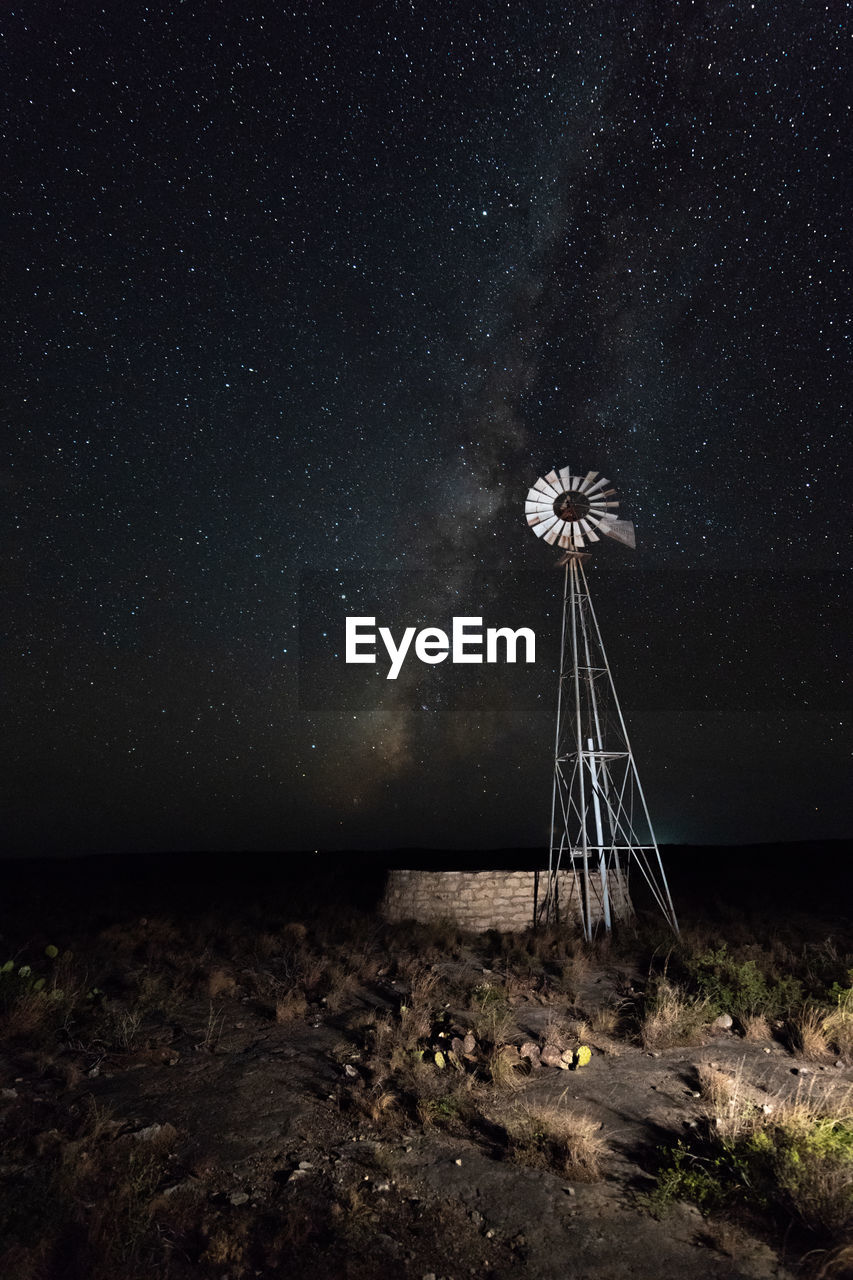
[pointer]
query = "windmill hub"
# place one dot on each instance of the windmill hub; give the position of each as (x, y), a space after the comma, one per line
(571, 506)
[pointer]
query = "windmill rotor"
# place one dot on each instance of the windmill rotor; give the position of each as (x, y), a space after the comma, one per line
(570, 511)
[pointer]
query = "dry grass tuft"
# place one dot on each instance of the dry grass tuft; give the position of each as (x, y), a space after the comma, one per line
(221, 983)
(603, 1020)
(290, 1007)
(809, 1034)
(506, 1069)
(838, 1025)
(756, 1027)
(732, 1113)
(383, 1104)
(673, 1017)
(837, 1264)
(552, 1134)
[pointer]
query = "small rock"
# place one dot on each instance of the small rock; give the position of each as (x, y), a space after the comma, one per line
(350, 1071)
(801, 1071)
(530, 1050)
(652, 1053)
(476, 1218)
(839, 1064)
(186, 1185)
(766, 1050)
(459, 1161)
(570, 1191)
(723, 1023)
(469, 1044)
(239, 1197)
(551, 1056)
(145, 1135)
(305, 1165)
(8, 1093)
(382, 1187)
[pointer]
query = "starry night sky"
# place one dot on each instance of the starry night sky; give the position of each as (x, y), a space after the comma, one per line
(300, 300)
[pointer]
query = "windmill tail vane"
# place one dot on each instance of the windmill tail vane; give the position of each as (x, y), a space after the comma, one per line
(601, 831)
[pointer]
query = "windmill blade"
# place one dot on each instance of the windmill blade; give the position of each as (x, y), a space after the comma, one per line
(587, 480)
(554, 479)
(589, 530)
(547, 489)
(565, 542)
(565, 474)
(599, 484)
(553, 534)
(544, 525)
(536, 495)
(621, 530)
(538, 507)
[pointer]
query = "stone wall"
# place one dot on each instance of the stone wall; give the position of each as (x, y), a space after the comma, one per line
(480, 900)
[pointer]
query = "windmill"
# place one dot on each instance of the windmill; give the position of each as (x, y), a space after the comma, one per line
(600, 825)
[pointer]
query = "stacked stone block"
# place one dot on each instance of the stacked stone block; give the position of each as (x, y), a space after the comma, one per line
(480, 900)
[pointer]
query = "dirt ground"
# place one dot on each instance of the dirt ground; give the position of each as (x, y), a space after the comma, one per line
(268, 1128)
(280, 1145)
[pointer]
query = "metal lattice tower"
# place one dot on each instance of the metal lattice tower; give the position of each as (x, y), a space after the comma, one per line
(600, 824)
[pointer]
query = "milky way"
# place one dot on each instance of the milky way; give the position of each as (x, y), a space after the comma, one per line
(302, 299)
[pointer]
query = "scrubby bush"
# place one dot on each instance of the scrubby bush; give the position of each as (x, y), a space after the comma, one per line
(795, 1158)
(739, 987)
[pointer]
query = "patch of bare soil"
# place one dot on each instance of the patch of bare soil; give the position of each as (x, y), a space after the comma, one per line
(269, 1136)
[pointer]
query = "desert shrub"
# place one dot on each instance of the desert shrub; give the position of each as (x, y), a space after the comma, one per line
(796, 1159)
(37, 998)
(739, 987)
(704, 1179)
(493, 1016)
(672, 1016)
(451, 1108)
